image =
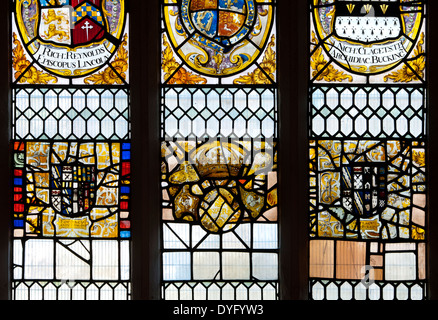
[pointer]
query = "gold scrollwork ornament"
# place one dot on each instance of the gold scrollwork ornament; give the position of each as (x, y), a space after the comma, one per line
(24, 71)
(116, 74)
(413, 70)
(321, 70)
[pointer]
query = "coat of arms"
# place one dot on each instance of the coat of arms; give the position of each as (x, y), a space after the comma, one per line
(368, 22)
(369, 36)
(76, 22)
(71, 37)
(223, 21)
(219, 37)
(73, 191)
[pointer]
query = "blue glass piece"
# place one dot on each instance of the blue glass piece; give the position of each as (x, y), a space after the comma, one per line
(18, 223)
(125, 234)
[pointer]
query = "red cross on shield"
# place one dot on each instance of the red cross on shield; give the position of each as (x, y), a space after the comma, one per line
(87, 31)
(88, 24)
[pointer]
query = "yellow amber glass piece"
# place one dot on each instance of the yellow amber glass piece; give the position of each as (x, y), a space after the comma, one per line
(186, 173)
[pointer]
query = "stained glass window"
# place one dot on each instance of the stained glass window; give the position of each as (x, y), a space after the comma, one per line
(71, 150)
(219, 139)
(368, 141)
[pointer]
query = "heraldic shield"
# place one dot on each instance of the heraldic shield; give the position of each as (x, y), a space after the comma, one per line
(71, 38)
(71, 22)
(368, 37)
(224, 22)
(73, 189)
(368, 21)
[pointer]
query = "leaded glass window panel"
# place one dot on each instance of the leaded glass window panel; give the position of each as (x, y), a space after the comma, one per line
(367, 131)
(219, 138)
(71, 150)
